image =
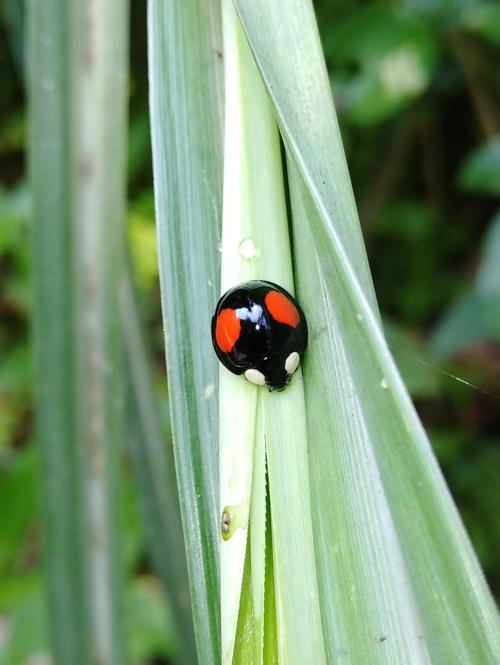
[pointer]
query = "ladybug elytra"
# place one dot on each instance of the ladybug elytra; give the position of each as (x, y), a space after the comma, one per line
(259, 330)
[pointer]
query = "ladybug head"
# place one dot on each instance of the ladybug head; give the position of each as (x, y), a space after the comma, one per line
(275, 373)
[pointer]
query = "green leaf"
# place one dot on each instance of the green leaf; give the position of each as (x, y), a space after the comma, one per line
(15, 378)
(371, 32)
(13, 588)
(15, 370)
(18, 492)
(394, 54)
(142, 242)
(78, 95)
(484, 20)
(399, 581)
(14, 211)
(488, 275)
(29, 635)
(481, 170)
(459, 327)
(414, 360)
(186, 124)
(14, 244)
(475, 316)
(12, 15)
(152, 467)
(152, 630)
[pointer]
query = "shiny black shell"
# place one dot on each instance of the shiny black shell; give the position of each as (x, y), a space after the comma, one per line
(257, 325)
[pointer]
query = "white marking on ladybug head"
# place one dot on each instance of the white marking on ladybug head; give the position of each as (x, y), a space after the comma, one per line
(254, 376)
(292, 362)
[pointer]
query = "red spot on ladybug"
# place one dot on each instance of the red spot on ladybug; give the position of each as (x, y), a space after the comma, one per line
(282, 309)
(227, 330)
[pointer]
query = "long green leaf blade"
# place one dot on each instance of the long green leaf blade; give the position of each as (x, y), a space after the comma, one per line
(50, 183)
(152, 467)
(366, 596)
(78, 128)
(388, 516)
(186, 123)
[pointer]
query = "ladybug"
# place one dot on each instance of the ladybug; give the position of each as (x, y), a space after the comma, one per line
(259, 329)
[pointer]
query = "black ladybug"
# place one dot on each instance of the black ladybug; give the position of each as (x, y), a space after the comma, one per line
(260, 330)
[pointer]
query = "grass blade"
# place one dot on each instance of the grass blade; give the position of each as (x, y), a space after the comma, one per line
(388, 515)
(154, 475)
(78, 130)
(186, 124)
(50, 164)
(361, 602)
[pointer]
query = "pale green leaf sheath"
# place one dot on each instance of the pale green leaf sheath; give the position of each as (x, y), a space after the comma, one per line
(237, 398)
(399, 581)
(255, 245)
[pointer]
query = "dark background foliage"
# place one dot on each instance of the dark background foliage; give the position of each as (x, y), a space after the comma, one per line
(417, 88)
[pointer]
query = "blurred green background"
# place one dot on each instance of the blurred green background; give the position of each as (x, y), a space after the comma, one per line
(417, 88)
